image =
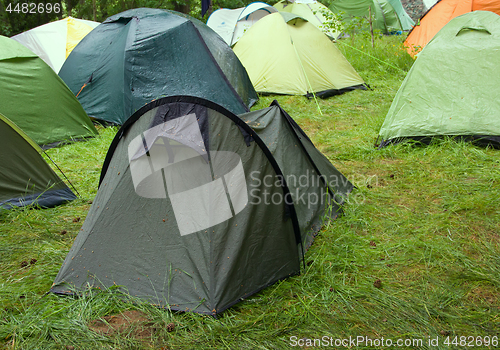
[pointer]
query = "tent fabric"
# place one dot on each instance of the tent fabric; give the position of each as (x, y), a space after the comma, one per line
(144, 54)
(389, 15)
(231, 24)
(298, 59)
(54, 41)
(429, 3)
(440, 14)
(25, 177)
(313, 11)
(198, 208)
(450, 89)
(37, 100)
(299, 161)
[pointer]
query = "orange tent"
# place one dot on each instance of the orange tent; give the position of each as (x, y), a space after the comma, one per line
(440, 14)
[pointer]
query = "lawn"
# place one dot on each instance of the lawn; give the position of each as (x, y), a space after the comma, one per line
(414, 260)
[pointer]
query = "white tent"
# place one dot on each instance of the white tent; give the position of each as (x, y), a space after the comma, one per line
(53, 41)
(232, 24)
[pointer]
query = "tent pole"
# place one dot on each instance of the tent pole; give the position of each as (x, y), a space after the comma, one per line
(79, 195)
(375, 58)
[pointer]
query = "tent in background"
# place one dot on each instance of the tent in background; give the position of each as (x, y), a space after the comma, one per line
(25, 177)
(144, 54)
(298, 59)
(440, 14)
(389, 15)
(54, 41)
(198, 208)
(232, 24)
(37, 100)
(453, 86)
(315, 12)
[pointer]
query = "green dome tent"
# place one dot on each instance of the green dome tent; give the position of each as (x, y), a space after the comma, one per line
(389, 15)
(285, 54)
(198, 208)
(37, 100)
(453, 86)
(25, 177)
(144, 54)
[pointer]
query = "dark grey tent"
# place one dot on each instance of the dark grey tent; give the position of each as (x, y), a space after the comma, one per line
(198, 208)
(25, 177)
(144, 54)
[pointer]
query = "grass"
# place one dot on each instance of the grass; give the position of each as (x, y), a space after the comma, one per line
(423, 222)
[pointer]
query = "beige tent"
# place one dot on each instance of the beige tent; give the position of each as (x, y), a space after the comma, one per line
(54, 41)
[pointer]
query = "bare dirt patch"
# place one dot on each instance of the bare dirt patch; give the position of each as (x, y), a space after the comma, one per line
(484, 295)
(131, 322)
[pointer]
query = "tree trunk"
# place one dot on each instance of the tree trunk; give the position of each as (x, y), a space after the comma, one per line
(182, 7)
(69, 6)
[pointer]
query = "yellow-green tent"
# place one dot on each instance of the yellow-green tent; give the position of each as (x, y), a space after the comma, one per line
(285, 54)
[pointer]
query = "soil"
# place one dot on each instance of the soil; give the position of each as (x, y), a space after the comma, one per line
(131, 322)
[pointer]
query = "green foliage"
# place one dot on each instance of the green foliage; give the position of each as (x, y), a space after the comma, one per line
(332, 22)
(98, 10)
(17, 15)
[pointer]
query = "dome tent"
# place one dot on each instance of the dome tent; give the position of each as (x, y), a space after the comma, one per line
(450, 89)
(231, 24)
(54, 41)
(37, 100)
(196, 210)
(297, 59)
(25, 177)
(144, 54)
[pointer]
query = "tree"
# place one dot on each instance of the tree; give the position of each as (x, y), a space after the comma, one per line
(21, 15)
(12, 23)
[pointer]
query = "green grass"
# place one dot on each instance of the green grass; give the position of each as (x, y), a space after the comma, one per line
(424, 220)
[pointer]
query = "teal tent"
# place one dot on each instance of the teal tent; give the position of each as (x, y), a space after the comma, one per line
(144, 54)
(25, 177)
(453, 86)
(37, 100)
(389, 15)
(198, 208)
